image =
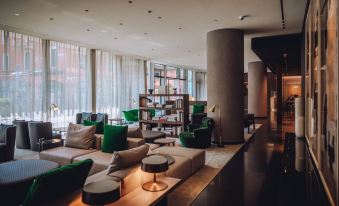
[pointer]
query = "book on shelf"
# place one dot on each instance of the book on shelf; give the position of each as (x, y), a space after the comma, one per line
(169, 106)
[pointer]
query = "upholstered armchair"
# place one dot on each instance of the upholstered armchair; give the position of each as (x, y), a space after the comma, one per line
(80, 117)
(7, 142)
(22, 135)
(42, 130)
(198, 136)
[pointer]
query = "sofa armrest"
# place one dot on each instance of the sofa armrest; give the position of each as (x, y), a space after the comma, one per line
(98, 138)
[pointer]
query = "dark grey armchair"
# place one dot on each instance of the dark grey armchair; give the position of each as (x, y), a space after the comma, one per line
(22, 134)
(99, 117)
(42, 130)
(7, 142)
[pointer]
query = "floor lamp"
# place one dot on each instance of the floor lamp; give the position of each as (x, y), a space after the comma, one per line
(212, 109)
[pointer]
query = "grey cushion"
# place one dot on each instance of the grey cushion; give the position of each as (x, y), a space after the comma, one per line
(127, 158)
(134, 132)
(79, 136)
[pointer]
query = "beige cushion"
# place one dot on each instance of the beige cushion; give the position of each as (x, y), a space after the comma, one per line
(197, 156)
(127, 158)
(134, 132)
(101, 160)
(79, 136)
(63, 155)
(134, 142)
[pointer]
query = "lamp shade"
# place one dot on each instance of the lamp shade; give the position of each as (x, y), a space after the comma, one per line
(212, 108)
(154, 164)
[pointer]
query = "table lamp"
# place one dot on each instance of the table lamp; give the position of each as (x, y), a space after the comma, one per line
(212, 109)
(154, 164)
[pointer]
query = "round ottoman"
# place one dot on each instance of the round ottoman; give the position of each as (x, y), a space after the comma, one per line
(150, 136)
(101, 192)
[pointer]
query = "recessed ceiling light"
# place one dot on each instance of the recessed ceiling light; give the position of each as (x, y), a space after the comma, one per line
(86, 10)
(88, 30)
(17, 14)
(149, 11)
(115, 38)
(145, 33)
(159, 17)
(189, 51)
(51, 18)
(152, 49)
(121, 24)
(179, 28)
(130, 2)
(215, 20)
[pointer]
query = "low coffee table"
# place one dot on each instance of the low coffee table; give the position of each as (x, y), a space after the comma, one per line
(165, 141)
(17, 176)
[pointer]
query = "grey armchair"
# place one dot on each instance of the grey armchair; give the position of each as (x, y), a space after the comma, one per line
(22, 134)
(7, 142)
(80, 117)
(42, 130)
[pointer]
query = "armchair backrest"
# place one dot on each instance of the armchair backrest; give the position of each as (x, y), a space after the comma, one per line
(197, 118)
(7, 140)
(22, 134)
(101, 117)
(80, 117)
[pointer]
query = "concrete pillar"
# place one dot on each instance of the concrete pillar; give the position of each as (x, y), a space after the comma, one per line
(257, 89)
(225, 86)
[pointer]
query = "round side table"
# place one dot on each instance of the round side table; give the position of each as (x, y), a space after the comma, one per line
(165, 141)
(101, 192)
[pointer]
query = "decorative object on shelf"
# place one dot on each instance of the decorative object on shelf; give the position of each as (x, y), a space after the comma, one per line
(150, 91)
(212, 109)
(101, 192)
(154, 164)
(174, 90)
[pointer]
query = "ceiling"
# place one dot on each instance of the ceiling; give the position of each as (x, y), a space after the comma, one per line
(174, 32)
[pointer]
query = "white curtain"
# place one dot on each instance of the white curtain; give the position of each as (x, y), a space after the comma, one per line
(69, 81)
(21, 77)
(120, 80)
(201, 85)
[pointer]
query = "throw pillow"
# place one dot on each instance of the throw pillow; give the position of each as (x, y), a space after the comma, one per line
(127, 158)
(99, 126)
(198, 108)
(115, 138)
(79, 136)
(57, 183)
(134, 132)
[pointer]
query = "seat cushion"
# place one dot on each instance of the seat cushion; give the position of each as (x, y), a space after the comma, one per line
(150, 136)
(63, 155)
(197, 156)
(101, 160)
(115, 138)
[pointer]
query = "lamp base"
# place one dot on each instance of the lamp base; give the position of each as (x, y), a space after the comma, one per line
(154, 186)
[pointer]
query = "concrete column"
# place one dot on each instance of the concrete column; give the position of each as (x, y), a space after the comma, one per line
(225, 86)
(257, 89)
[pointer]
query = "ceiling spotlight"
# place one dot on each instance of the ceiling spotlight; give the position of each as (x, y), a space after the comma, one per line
(145, 33)
(88, 30)
(17, 14)
(115, 38)
(149, 11)
(121, 24)
(86, 10)
(130, 2)
(152, 49)
(159, 17)
(179, 28)
(242, 17)
(51, 18)
(215, 20)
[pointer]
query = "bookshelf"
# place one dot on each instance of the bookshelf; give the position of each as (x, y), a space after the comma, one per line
(171, 110)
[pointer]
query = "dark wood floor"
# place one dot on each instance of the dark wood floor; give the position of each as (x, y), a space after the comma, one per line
(263, 173)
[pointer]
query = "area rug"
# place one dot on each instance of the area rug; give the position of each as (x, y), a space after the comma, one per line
(216, 159)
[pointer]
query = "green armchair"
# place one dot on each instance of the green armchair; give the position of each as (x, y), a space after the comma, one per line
(131, 115)
(198, 136)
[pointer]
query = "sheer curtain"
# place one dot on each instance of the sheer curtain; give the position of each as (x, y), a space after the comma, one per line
(21, 77)
(120, 80)
(201, 85)
(69, 81)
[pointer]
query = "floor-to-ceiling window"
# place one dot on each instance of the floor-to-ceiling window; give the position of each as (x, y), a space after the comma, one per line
(70, 81)
(21, 77)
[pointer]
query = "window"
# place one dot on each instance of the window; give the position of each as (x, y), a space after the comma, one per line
(27, 61)
(53, 58)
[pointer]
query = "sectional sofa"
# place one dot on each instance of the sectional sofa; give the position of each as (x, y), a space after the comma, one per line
(187, 162)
